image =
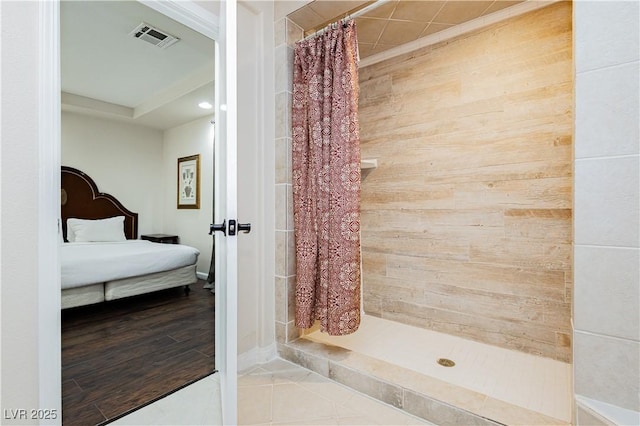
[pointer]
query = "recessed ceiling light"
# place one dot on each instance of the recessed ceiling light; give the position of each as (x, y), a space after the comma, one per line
(205, 105)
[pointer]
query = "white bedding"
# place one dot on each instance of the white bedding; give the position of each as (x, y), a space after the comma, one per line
(90, 263)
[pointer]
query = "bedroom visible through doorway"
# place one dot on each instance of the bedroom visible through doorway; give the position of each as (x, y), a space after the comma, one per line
(129, 112)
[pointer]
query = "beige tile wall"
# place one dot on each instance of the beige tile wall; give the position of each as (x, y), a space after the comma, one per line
(466, 222)
(286, 34)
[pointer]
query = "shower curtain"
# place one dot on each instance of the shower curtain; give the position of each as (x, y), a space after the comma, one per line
(326, 180)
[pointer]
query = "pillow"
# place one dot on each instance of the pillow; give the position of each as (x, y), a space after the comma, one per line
(70, 235)
(81, 230)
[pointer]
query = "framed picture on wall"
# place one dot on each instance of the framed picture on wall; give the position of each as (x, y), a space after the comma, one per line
(189, 182)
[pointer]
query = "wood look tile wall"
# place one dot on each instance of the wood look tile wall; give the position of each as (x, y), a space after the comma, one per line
(466, 222)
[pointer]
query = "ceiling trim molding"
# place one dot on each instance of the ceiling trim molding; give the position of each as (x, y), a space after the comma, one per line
(449, 33)
(77, 103)
(195, 81)
(189, 14)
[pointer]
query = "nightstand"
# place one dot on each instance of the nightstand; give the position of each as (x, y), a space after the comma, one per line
(161, 238)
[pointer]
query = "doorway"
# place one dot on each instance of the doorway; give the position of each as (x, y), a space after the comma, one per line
(129, 121)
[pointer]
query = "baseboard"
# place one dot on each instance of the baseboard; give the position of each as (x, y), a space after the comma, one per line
(256, 356)
(202, 275)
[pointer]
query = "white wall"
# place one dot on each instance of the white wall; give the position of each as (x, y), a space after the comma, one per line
(607, 220)
(19, 315)
(125, 160)
(191, 225)
(248, 206)
(256, 260)
(29, 175)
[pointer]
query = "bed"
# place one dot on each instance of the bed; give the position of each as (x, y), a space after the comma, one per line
(101, 258)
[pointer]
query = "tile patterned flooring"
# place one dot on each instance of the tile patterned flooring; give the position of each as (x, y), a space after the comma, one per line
(276, 393)
(282, 393)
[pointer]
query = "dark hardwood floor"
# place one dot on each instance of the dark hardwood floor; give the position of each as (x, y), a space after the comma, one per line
(120, 355)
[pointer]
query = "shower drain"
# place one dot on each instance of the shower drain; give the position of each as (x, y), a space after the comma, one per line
(446, 362)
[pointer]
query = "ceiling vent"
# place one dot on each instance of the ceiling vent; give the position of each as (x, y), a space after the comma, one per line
(154, 36)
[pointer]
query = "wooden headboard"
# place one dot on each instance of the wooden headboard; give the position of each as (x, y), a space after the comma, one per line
(80, 198)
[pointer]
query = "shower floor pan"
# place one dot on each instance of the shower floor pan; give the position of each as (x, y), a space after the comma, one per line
(398, 364)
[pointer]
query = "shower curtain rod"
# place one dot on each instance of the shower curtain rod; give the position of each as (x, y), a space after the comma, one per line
(353, 15)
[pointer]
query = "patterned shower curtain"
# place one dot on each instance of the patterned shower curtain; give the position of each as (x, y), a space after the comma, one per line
(326, 180)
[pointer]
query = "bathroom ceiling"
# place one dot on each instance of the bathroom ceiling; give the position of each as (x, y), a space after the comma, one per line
(396, 22)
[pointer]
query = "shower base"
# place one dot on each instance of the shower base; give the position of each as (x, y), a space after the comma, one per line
(398, 364)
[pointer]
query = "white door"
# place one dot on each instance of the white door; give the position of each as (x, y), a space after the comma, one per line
(225, 213)
(225, 207)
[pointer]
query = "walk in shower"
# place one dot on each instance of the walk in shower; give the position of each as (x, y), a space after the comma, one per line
(466, 219)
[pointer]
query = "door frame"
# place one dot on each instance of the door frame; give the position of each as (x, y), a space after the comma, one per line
(225, 208)
(49, 147)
